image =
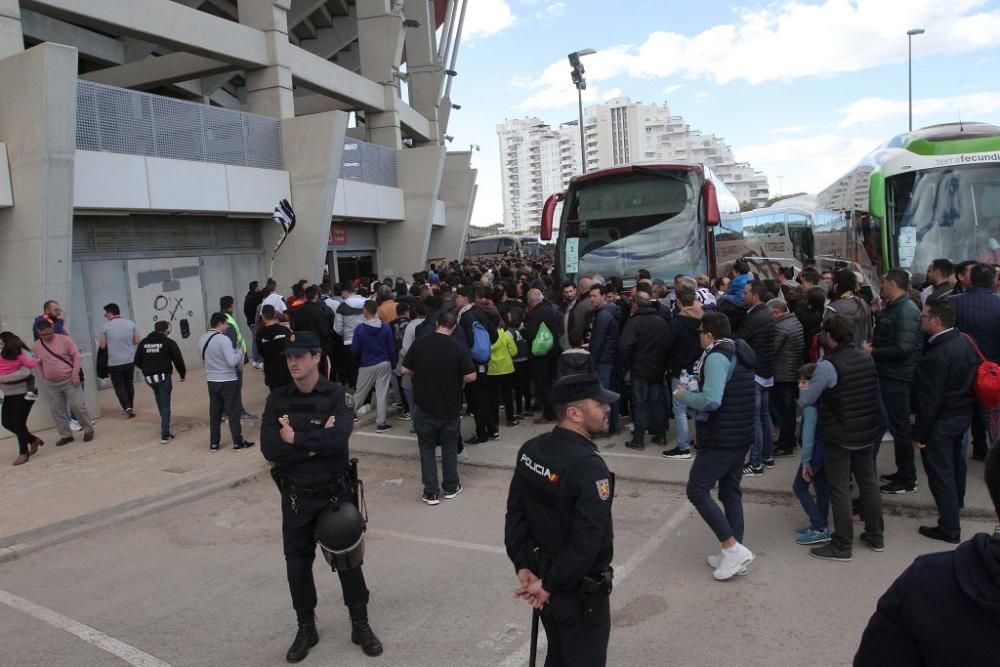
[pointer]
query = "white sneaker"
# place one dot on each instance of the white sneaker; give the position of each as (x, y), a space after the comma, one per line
(713, 562)
(365, 409)
(74, 425)
(463, 456)
(731, 561)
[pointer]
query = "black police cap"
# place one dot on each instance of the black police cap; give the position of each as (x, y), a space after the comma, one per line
(571, 388)
(302, 341)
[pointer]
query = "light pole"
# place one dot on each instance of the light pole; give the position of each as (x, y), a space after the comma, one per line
(909, 67)
(580, 82)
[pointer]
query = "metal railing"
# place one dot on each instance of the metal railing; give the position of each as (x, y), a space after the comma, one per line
(119, 120)
(368, 163)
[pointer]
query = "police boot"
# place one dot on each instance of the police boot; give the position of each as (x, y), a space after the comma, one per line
(361, 632)
(305, 639)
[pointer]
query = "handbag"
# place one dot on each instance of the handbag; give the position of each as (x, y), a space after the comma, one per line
(102, 363)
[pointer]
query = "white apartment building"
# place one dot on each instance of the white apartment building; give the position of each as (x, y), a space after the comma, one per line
(538, 160)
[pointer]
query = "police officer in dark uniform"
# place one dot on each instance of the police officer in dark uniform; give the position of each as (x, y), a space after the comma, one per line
(304, 433)
(558, 529)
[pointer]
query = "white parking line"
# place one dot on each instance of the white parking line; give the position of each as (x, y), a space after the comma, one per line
(439, 540)
(520, 656)
(129, 654)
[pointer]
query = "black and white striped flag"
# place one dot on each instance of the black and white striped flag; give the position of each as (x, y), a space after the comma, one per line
(284, 216)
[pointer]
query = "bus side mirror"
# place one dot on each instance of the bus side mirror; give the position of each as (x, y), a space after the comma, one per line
(711, 199)
(548, 211)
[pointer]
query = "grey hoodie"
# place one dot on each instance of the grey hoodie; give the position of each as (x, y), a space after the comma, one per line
(349, 314)
(220, 359)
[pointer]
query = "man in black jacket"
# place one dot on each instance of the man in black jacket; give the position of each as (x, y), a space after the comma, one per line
(543, 368)
(895, 348)
(314, 316)
(642, 351)
(845, 385)
(943, 609)
(156, 357)
(304, 433)
(945, 401)
(478, 392)
(683, 350)
(757, 329)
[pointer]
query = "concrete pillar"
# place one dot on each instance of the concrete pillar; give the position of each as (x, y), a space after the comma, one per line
(403, 245)
(458, 192)
(313, 146)
(422, 64)
(269, 89)
(11, 37)
(380, 39)
(38, 124)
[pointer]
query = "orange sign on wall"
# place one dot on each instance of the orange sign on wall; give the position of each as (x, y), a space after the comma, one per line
(338, 235)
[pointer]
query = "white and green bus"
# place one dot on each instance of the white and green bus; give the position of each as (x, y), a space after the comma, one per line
(930, 193)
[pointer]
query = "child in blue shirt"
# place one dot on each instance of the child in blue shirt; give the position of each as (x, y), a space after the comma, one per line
(811, 472)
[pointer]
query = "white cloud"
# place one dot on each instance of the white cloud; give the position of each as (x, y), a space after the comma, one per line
(553, 11)
(789, 41)
(879, 110)
(806, 164)
(487, 17)
(670, 90)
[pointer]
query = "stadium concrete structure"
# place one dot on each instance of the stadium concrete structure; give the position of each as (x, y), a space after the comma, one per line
(538, 159)
(144, 144)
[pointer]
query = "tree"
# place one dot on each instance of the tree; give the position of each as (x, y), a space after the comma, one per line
(775, 200)
(747, 206)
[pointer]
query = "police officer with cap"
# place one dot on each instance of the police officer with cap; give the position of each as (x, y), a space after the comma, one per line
(558, 528)
(304, 433)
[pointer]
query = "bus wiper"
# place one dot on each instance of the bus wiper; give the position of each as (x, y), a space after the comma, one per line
(669, 175)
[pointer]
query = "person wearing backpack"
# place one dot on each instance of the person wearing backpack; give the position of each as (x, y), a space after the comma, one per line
(522, 365)
(977, 313)
(944, 382)
(847, 303)
(541, 327)
(478, 334)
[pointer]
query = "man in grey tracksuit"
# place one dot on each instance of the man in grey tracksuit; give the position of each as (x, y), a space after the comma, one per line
(221, 359)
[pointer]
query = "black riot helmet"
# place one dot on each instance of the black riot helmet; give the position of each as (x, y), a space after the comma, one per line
(340, 533)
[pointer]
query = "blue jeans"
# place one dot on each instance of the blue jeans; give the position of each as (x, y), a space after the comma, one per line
(606, 373)
(434, 432)
(946, 468)
(894, 410)
(681, 417)
(648, 411)
(724, 466)
(818, 508)
(161, 392)
(763, 444)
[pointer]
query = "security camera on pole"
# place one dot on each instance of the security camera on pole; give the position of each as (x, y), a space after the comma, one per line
(581, 83)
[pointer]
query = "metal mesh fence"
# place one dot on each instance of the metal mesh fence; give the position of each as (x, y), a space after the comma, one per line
(99, 236)
(368, 163)
(119, 120)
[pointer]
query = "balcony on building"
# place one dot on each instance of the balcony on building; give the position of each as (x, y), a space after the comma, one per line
(137, 151)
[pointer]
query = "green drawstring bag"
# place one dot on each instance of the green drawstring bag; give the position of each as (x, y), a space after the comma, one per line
(543, 342)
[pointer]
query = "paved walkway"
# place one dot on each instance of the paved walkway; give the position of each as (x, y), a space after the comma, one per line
(125, 472)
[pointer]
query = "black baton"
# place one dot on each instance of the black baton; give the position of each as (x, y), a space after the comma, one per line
(534, 638)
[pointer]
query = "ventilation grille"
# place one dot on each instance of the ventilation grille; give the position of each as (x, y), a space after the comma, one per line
(163, 235)
(118, 120)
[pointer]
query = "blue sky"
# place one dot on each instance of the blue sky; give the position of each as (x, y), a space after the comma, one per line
(802, 90)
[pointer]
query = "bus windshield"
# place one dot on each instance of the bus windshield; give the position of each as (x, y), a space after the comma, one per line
(948, 212)
(623, 223)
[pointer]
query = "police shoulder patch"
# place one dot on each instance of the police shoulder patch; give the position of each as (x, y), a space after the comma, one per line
(603, 489)
(349, 400)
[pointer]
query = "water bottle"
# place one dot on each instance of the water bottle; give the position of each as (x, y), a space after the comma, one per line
(684, 380)
(692, 382)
